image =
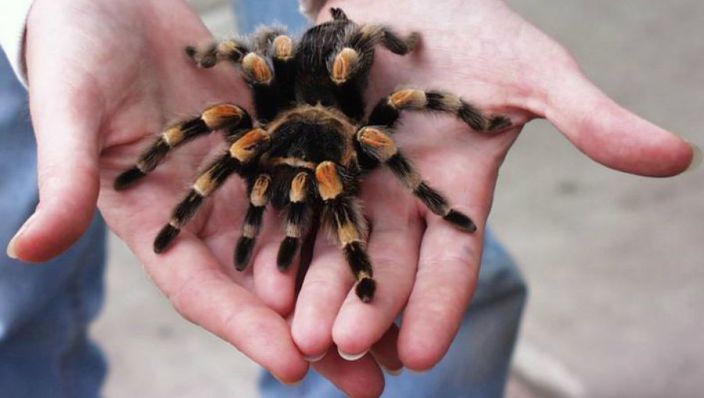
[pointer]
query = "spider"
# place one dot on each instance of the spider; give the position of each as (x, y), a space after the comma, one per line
(311, 142)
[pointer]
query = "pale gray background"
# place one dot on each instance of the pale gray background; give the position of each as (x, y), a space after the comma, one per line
(614, 261)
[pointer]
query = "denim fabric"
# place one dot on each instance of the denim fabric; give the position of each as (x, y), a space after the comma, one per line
(44, 309)
(477, 362)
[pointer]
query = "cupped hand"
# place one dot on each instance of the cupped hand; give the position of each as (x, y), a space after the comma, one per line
(105, 77)
(425, 268)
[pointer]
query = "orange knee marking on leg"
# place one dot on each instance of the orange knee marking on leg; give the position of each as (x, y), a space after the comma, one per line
(408, 98)
(347, 233)
(228, 49)
(299, 186)
(257, 67)
(344, 63)
(173, 136)
(247, 147)
(283, 47)
(258, 196)
(451, 102)
(379, 141)
(329, 183)
(204, 185)
(249, 231)
(217, 116)
(293, 230)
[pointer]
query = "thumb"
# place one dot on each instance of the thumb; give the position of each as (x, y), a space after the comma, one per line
(610, 134)
(66, 122)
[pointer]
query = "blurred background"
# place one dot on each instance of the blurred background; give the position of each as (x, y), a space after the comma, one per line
(615, 263)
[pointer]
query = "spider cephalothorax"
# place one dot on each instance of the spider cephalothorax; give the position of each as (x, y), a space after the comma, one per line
(310, 140)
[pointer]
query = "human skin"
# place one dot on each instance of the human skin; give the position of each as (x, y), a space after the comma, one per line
(105, 77)
(492, 57)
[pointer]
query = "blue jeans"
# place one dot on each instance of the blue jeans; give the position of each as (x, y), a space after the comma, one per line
(45, 310)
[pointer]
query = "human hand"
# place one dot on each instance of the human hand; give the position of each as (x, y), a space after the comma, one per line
(119, 73)
(493, 58)
(104, 78)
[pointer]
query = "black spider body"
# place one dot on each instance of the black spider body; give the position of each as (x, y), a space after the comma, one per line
(309, 142)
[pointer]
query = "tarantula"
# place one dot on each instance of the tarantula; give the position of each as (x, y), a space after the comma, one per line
(311, 142)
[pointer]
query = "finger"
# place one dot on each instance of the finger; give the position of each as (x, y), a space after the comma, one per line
(66, 117)
(196, 286)
(361, 378)
(276, 288)
(324, 288)
(610, 134)
(447, 272)
(385, 352)
(393, 248)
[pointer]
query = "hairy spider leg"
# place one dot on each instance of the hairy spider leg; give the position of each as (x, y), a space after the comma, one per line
(273, 88)
(342, 211)
(349, 65)
(388, 110)
(378, 144)
(298, 218)
(241, 152)
(267, 62)
(356, 52)
(231, 118)
(234, 50)
(259, 194)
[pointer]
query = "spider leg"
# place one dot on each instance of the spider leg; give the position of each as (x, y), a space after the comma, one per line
(356, 52)
(230, 117)
(259, 194)
(267, 64)
(379, 145)
(272, 75)
(388, 110)
(255, 64)
(298, 218)
(232, 50)
(343, 212)
(241, 152)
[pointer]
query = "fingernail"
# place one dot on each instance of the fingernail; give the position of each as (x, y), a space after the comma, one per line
(351, 357)
(11, 247)
(696, 157)
(293, 384)
(11, 251)
(392, 372)
(316, 359)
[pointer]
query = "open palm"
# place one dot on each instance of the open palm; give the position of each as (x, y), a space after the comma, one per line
(493, 58)
(106, 76)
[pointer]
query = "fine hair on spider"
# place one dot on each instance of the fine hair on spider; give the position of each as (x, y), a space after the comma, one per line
(309, 142)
